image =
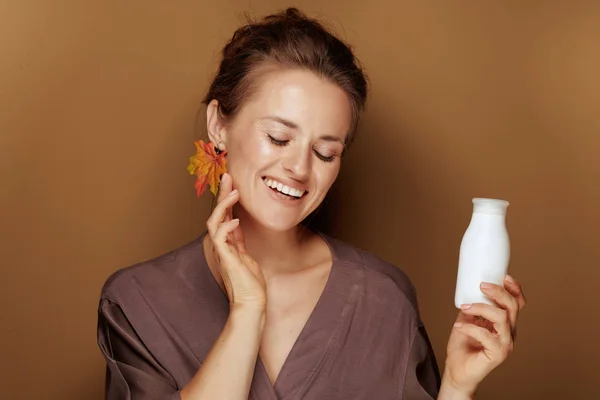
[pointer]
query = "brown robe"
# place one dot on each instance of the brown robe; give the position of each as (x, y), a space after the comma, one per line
(364, 340)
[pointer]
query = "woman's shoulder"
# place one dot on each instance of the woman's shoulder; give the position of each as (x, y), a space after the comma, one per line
(154, 272)
(381, 273)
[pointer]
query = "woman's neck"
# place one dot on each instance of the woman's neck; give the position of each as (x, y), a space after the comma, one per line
(274, 251)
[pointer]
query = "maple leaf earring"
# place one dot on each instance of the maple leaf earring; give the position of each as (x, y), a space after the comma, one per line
(208, 164)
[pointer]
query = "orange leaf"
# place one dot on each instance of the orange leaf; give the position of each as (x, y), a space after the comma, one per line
(208, 166)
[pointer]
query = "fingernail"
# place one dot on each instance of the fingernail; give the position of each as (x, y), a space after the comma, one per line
(234, 191)
(486, 285)
(509, 279)
(458, 324)
(224, 177)
(235, 221)
(465, 306)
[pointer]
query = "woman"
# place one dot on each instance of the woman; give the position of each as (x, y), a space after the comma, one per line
(261, 307)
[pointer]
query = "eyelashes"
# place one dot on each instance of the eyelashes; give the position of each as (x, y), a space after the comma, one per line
(323, 158)
(282, 143)
(277, 142)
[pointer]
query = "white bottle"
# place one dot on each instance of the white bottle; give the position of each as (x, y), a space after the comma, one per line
(484, 251)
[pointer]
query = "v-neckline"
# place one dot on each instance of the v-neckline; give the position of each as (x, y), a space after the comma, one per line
(297, 346)
(318, 332)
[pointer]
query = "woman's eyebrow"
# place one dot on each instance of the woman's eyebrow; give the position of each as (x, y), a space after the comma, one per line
(331, 138)
(282, 121)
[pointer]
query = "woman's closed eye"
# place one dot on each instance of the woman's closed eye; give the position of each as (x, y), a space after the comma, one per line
(323, 155)
(277, 142)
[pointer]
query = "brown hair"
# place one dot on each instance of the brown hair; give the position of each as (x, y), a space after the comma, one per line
(288, 39)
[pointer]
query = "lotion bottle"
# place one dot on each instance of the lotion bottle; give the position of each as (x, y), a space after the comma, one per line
(484, 251)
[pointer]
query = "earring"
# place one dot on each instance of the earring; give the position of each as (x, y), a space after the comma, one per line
(219, 147)
(208, 164)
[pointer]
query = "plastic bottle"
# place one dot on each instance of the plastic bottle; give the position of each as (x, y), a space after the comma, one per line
(484, 251)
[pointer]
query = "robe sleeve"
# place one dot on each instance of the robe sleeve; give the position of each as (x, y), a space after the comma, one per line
(131, 370)
(422, 381)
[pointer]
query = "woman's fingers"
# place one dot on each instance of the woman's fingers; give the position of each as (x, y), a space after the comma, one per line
(220, 242)
(225, 186)
(218, 225)
(494, 350)
(220, 212)
(497, 316)
(515, 289)
(238, 239)
(504, 299)
(225, 190)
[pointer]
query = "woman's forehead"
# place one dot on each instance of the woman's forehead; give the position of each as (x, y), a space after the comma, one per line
(302, 100)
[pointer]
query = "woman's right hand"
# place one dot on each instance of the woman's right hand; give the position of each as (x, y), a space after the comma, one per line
(242, 277)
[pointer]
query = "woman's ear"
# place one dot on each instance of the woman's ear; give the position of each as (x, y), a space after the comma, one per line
(214, 125)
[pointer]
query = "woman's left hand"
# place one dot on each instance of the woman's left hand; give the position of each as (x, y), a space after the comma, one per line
(482, 338)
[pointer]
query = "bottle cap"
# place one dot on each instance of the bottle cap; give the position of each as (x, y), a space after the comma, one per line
(489, 206)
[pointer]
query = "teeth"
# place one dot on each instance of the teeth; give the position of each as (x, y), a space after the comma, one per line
(280, 187)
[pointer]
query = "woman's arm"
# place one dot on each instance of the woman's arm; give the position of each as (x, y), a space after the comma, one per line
(449, 392)
(227, 371)
(134, 373)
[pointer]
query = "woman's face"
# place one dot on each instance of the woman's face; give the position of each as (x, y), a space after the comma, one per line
(285, 144)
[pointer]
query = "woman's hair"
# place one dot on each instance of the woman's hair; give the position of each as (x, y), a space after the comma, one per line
(287, 39)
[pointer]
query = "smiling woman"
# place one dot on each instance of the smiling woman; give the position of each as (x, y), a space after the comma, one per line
(290, 132)
(260, 307)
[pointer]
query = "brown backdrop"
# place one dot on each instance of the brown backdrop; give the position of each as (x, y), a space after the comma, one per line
(98, 103)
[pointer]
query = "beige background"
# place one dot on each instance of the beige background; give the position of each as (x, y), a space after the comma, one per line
(98, 103)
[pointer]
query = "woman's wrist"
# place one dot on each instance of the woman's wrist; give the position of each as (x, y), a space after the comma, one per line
(247, 316)
(450, 391)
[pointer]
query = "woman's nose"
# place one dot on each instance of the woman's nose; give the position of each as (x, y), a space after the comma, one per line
(297, 162)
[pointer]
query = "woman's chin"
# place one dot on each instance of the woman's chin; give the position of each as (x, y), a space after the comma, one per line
(276, 223)
(273, 219)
